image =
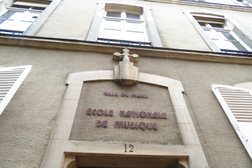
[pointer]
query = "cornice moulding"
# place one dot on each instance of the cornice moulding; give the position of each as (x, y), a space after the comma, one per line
(75, 45)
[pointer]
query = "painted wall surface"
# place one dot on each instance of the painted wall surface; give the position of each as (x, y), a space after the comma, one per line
(27, 122)
(72, 19)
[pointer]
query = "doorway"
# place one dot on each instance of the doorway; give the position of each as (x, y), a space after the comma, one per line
(124, 161)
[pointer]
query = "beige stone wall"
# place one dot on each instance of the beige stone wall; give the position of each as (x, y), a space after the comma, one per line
(73, 18)
(27, 122)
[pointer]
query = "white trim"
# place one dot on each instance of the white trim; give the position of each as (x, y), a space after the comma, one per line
(151, 30)
(246, 35)
(36, 25)
(15, 86)
(201, 31)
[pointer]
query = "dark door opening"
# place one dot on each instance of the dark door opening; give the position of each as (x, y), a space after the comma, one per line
(126, 161)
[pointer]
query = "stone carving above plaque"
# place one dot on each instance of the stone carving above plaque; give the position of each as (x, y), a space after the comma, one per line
(125, 72)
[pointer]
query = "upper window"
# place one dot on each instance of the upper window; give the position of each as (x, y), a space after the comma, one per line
(16, 21)
(220, 33)
(124, 24)
(18, 18)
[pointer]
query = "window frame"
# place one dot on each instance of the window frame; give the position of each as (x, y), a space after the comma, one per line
(151, 30)
(123, 30)
(35, 26)
(244, 37)
(12, 11)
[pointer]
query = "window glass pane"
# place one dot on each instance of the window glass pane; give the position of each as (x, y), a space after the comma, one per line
(228, 36)
(202, 24)
(216, 25)
(14, 25)
(132, 16)
(18, 21)
(133, 26)
(114, 25)
(30, 17)
(215, 35)
(111, 34)
(17, 16)
(114, 14)
(221, 40)
(123, 26)
(234, 41)
(24, 16)
(135, 36)
(225, 45)
(238, 45)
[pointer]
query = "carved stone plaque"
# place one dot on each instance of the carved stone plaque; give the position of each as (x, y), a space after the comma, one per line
(110, 112)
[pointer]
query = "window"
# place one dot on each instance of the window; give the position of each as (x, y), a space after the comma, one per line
(237, 104)
(10, 80)
(17, 19)
(124, 24)
(220, 33)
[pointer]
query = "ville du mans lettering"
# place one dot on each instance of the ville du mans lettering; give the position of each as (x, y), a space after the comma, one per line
(124, 94)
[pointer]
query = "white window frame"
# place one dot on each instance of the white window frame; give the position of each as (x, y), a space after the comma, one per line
(9, 93)
(123, 21)
(151, 31)
(241, 34)
(35, 26)
(232, 33)
(7, 17)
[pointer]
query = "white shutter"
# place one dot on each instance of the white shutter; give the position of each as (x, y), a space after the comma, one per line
(10, 80)
(237, 104)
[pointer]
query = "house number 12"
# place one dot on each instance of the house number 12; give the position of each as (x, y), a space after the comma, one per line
(128, 148)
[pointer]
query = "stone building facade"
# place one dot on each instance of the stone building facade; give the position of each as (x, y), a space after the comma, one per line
(125, 83)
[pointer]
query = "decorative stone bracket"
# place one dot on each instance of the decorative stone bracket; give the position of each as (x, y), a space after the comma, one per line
(125, 72)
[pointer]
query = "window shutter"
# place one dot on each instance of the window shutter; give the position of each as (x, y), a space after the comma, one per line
(10, 80)
(237, 104)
